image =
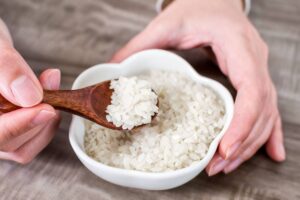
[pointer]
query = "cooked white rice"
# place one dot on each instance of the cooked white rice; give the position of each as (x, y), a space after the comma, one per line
(133, 103)
(190, 116)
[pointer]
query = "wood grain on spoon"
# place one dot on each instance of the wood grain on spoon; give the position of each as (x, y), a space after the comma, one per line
(89, 102)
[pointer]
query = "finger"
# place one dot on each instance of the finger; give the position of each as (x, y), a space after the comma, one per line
(50, 79)
(15, 143)
(216, 165)
(257, 136)
(20, 121)
(18, 83)
(250, 146)
(29, 150)
(245, 115)
(275, 145)
(152, 37)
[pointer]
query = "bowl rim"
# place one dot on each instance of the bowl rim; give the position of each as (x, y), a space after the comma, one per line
(215, 85)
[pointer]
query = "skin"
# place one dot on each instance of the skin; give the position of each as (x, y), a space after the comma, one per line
(242, 56)
(24, 132)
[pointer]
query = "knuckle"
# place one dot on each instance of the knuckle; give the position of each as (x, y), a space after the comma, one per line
(7, 54)
(242, 31)
(259, 92)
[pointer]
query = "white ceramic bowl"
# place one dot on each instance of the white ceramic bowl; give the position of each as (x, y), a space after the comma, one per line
(137, 64)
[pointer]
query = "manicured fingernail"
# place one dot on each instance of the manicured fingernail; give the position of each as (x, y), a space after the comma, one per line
(232, 150)
(53, 79)
(281, 151)
(43, 117)
(26, 92)
(219, 166)
(233, 165)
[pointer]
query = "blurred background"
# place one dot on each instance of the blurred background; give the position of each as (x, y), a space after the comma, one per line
(73, 35)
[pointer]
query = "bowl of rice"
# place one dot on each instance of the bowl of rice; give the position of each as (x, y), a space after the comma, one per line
(194, 113)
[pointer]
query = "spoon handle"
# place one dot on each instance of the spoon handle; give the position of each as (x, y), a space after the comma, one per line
(6, 106)
(73, 101)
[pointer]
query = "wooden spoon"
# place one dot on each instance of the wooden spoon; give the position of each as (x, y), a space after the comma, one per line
(89, 102)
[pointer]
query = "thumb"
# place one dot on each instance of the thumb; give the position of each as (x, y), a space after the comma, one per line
(18, 82)
(154, 36)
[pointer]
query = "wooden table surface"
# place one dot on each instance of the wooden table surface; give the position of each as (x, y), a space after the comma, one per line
(75, 34)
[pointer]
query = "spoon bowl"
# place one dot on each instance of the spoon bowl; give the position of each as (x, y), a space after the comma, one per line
(89, 102)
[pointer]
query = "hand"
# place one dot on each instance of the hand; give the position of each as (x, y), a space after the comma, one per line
(24, 132)
(241, 54)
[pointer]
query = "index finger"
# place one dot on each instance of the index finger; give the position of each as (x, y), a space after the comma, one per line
(17, 122)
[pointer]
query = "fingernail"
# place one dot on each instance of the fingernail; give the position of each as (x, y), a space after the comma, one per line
(219, 166)
(43, 117)
(26, 92)
(281, 151)
(53, 79)
(233, 165)
(232, 150)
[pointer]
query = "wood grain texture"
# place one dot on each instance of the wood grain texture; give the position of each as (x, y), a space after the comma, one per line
(74, 34)
(89, 102)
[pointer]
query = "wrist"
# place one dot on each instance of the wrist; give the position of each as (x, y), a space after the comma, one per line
(241, 4)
